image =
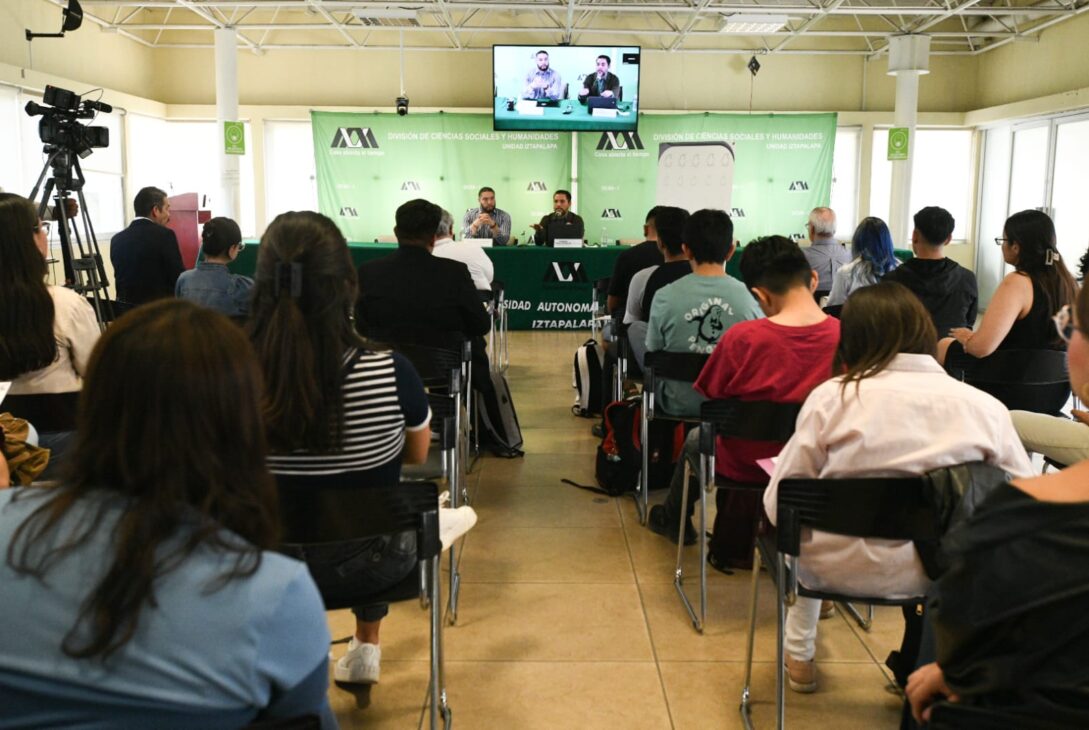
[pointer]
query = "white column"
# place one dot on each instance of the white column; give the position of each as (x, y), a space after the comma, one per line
(228, 201)
(909, 58)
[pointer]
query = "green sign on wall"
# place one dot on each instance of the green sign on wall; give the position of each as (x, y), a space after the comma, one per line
(899, 141)
(234, 138)
(368, 164)
(781, 169)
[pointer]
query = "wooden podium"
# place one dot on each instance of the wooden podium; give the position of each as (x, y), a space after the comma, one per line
(186, 216)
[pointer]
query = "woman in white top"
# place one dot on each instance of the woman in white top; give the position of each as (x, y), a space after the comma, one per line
(871, 247)
(892, 412)
(46, 332)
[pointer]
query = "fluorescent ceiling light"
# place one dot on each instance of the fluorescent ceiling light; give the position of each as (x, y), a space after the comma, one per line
(385, 13)
(752, 23)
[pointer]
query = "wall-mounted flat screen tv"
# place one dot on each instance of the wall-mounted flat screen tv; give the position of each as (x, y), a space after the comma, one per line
(566, 88)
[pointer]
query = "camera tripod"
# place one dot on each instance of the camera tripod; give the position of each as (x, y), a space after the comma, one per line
(85, 273)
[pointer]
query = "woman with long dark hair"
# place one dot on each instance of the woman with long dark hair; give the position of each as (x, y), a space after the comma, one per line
(1009, 613)
(872, 249)
(335, 405)
(890, 411)
(46, 332)
(142, 588)
(1019, 315)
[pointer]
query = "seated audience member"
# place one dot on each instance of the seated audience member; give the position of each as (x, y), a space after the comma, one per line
(143, 589)
(692, 313)
(412, 295)
(1063, 440)
(46, 332)
(779, 358)
(335, 405)
(146, 259)
(947, 290)
(467, 252)
(211, 284)
(631, 261)
(1009, 613)
(1019, 315)
(871, 247)
(892, 412)
(824, 253)
(669, 223)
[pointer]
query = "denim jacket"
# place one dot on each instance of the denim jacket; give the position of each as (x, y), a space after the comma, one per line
(214, 286)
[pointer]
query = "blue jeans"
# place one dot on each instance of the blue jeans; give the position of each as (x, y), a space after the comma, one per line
(345, 571)
(59, 443)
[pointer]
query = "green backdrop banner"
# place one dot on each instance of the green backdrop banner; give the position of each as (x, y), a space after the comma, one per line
(781, 168)
(368, 164)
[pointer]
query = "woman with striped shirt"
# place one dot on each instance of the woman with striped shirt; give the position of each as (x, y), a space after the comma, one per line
(335, 406)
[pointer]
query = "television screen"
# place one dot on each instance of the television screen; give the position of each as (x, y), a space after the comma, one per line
(566, 88)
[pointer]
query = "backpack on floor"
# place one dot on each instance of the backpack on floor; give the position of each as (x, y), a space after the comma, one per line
(507, 439)
(587, 380)
(620, 457)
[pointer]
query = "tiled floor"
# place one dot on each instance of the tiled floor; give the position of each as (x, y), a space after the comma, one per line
(568, 617)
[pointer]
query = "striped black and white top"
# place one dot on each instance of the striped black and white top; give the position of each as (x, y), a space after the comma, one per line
(383, 398)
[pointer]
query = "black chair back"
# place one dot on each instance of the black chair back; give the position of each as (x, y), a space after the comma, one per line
(437, 366)
(333, 508)
(753, 420)
(47, 412)
(890, 508)
(1024, 380)
(681, 366)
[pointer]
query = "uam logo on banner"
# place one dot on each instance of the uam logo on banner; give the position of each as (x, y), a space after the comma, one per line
(620, 144)
(799, 186)
(565, 272)
(536, 187)
(737, 212)
(611, 213)
(411, 185)
(356, 141)
(348, 212)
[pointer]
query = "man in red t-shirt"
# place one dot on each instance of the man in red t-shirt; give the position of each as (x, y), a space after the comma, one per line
(779, 358)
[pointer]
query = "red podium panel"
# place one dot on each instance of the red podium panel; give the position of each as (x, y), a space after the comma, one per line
(186, 216)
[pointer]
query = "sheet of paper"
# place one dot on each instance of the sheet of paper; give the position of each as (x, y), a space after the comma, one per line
(768, 465)
(5, 386)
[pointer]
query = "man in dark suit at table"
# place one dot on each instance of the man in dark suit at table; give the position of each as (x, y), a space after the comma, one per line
(411, 295)
(602, 82)
(146, 259)
(560, 223)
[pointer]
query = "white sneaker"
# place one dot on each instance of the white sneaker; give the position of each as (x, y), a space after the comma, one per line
(453, 523)
(359, 665)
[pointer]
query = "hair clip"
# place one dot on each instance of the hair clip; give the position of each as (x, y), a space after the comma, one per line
(288, 276)
(1051, 256)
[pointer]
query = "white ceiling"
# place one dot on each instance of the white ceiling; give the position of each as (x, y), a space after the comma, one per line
(817, 27)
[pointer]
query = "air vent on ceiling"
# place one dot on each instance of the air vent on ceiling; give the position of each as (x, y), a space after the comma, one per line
(392, 17)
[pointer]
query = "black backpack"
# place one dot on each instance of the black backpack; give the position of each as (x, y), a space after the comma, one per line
(620, 457)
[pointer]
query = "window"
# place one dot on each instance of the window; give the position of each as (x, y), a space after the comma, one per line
(181, 157)
(1068, 192)
(844, 198)
(290, 176)
(942, 174)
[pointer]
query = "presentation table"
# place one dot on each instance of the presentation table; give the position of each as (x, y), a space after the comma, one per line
(555, 118)
(545, 288)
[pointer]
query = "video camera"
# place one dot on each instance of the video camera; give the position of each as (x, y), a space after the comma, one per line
(60, 126)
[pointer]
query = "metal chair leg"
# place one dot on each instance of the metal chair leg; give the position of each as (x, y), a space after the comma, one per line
(644, 476)
(678, 572)
(780, 649)
(746, 693)
(864, 622)
(438, 704)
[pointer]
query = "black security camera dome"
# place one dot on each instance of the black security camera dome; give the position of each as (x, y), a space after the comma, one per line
(402, 105)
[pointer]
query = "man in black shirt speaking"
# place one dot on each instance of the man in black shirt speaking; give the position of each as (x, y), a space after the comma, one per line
(561, 223)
